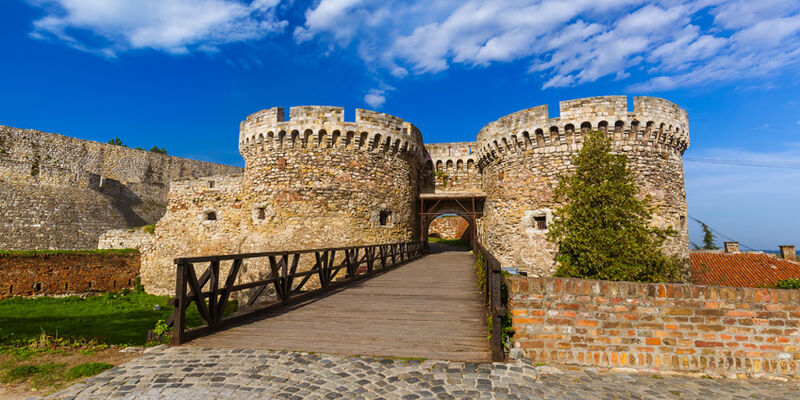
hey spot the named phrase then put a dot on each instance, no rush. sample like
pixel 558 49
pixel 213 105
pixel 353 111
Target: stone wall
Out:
pixel 733 332
pixel 132 238
pixel 66 273
pixel 58 192
pixel 313 181
pixel 450 227
pixel 522 154
pixel 452 168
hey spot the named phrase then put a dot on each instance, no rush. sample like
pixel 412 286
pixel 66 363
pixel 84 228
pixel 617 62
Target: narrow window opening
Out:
pixel 262 213
pixel 385 217
pixel 540 222
pixel 10 289
pixel 114 284
pixel 211 216
pixel 37 287
pixel 90 284
pixel 210 184
pixel 66 286
pixel 129 282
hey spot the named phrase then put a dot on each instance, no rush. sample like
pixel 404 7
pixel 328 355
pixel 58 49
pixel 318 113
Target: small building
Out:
pixel 731 267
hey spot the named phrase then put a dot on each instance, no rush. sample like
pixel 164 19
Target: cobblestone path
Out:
pixel 197 373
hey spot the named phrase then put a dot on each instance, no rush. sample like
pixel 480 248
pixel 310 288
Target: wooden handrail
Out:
pixel 211 296
pixel 495 309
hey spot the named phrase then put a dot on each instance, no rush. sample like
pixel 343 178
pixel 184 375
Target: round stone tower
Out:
pixel 522 154
pixel 317 181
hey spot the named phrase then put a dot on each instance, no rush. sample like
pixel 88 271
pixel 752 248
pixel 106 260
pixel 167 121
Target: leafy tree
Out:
pixel 603 228
pixel 162 150
pixel 708 238
pixel 116 142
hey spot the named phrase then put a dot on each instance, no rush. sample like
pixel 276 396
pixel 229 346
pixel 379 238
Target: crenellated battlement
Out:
pixel 325 127
pixel 654 122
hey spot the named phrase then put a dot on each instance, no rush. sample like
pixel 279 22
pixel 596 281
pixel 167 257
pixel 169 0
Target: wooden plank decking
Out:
pixel 429 308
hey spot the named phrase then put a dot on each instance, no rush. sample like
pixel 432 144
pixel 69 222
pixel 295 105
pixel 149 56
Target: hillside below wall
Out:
pixel 58 192
pixel 734 332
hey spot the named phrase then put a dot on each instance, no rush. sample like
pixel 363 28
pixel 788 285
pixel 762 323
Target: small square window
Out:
pixel 385 218
pixel 210 184
pixel 211 216
pixel 261 213
pixel 540 222
pixel 37 287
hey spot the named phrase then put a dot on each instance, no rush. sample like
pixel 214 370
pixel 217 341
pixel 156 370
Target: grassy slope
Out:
pixel 111 318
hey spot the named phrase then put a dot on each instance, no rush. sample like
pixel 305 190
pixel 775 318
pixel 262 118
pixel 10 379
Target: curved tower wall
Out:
pixel 311 181
pixel 522 154
pixel 324 182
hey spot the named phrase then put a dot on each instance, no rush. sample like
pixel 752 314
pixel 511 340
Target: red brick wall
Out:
pixel 662 327
pixel 66 273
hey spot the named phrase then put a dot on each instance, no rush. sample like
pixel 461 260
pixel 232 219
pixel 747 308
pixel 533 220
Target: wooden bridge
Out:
pixel 389 300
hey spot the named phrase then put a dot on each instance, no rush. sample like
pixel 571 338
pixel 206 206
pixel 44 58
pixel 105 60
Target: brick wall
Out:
pixel 56 274
pixel 661 327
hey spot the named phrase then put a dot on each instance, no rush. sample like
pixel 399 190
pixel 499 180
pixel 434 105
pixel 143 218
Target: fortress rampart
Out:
pixel 315 180
pixel 310 182
pixel 522 154
pixel 452 167
pixel 58 192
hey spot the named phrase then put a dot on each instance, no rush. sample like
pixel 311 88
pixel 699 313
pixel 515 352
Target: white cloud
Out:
pixel 375 98
pixel 176 26
pixel 569 42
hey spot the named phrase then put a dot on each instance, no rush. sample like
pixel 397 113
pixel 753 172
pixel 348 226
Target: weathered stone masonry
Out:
pixel 734 332
pixel 315 180
pixel 522 154
pixel 58 192
pixel 312 181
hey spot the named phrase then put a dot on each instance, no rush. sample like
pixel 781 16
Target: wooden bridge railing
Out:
pixel 211 295
pixel 492 291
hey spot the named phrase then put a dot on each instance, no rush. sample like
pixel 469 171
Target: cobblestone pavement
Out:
pixel 196 374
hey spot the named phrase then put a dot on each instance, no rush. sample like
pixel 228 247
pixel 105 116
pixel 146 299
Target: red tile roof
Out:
pixel 740 269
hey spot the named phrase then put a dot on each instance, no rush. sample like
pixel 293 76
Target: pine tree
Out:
pixel 708 238
pixel 603 228
pixel 116 142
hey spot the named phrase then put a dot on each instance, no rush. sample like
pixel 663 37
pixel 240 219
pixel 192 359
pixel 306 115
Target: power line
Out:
pixel 724 236
pixel 763 164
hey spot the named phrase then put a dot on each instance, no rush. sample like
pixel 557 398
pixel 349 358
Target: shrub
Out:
pixel 788 284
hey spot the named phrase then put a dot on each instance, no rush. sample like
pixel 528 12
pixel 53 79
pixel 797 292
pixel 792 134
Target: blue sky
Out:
pixel 181 74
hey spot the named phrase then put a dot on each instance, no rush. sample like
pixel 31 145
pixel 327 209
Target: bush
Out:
pixel 788 284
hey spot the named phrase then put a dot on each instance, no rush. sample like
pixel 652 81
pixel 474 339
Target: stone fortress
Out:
pixel 314 180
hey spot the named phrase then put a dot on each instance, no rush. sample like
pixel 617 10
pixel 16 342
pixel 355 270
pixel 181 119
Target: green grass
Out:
pixel 87 369
pixel 452 242
pixel 35 253
pixel 112 318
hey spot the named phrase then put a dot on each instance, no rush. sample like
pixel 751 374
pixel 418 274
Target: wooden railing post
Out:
pixel 214 316
pixel 179 320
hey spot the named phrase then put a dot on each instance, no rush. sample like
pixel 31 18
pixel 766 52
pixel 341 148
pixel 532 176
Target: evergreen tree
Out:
pixel 603 228
pixel 708 238
pixel 162 150
pixel 116 142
